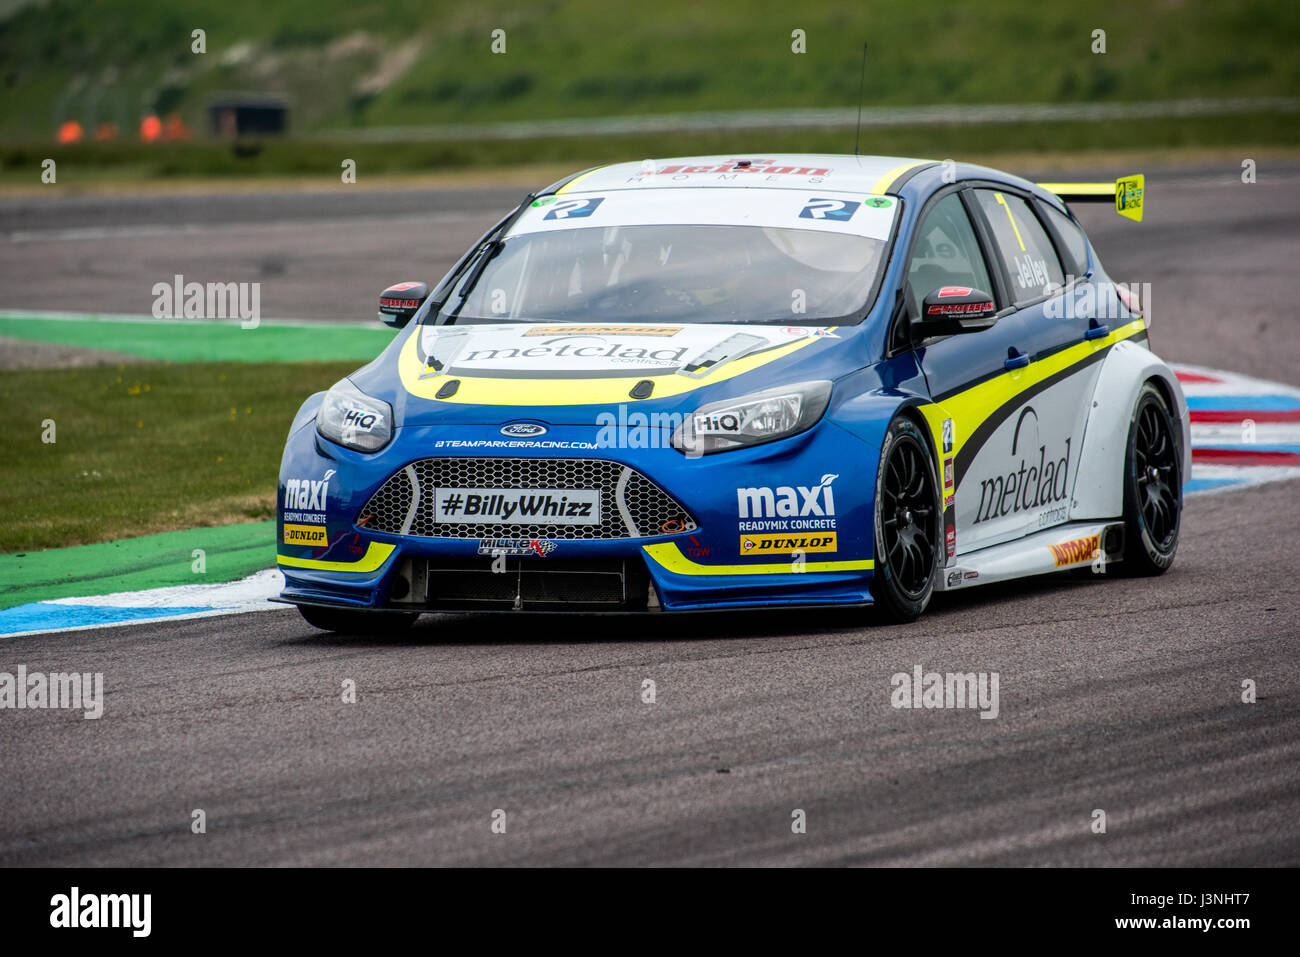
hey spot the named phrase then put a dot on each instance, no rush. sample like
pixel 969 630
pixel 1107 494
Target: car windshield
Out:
pixel 694 273
pixel 681 255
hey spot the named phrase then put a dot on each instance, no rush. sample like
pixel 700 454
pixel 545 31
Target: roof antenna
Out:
pixel 861 85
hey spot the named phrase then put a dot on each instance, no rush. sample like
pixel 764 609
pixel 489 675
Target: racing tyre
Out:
pixel 1153 487
pixel 350 622
pixel 909 519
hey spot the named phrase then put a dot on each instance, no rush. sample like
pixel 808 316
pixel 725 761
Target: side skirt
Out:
pixel 1073 545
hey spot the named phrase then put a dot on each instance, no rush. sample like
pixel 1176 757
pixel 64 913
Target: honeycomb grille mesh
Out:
pixel 626 496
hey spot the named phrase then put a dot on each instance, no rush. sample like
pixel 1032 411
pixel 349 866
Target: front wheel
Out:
pixel 350 622
pixel 1153 487
pixel 908 518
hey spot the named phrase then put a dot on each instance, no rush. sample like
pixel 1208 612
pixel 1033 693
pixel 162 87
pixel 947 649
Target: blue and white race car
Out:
pixel 720 382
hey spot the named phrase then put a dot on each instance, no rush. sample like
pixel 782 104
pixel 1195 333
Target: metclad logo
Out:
pixel 1029 487
pixel 581 347
pixel 787 501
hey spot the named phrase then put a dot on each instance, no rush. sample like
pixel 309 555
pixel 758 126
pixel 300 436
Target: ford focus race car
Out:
pixel 719 383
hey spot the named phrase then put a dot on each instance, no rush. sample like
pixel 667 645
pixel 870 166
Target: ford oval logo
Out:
pixel 523 430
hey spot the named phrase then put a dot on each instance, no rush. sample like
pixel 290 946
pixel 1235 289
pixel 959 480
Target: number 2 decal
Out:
pixel 839 210
pixel 573 208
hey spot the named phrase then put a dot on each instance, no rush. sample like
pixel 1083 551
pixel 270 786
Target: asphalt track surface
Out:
pixel 1116 694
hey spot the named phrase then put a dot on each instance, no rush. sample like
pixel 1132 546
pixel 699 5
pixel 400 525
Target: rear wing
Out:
pixel 1125 193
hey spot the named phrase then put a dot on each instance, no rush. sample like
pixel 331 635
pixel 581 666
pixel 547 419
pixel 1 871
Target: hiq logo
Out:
pixel 573 208
pixel 840 210
pixel 359 419
pixel 725 423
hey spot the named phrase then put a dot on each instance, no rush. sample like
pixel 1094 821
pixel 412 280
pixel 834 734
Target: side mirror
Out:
pixel 955 309
pixel 397 304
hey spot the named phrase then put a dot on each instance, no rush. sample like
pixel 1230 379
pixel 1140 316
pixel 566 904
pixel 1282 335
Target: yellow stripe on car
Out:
pixel 969 409
pixel 1003 203
pixel 376 554
pixel 1080 189
pixel 576 180
pixel 489 390
pixel 669 557
pixel 886 181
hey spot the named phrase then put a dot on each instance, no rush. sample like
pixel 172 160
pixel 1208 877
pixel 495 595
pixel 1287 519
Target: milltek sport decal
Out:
pixel 528 506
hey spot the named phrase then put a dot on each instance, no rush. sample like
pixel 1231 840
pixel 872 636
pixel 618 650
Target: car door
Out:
pixel 1026 464
pixel 962 371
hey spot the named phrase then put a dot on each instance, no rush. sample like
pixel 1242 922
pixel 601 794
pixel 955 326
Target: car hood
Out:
pixel 571 372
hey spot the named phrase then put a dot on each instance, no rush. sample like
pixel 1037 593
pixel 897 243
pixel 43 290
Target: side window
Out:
pixel 1023 244
pixel 946 252
pixel 1072 238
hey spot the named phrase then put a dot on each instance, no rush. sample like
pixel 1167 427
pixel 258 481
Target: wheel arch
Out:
pixel 1098 487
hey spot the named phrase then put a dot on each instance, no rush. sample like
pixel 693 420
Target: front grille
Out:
pixel 631 506
pixel 523 585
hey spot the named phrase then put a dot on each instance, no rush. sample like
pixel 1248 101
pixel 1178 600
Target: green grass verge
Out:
pixel 146 448
pixel 125 162
pixel 205 341
pixel 230 552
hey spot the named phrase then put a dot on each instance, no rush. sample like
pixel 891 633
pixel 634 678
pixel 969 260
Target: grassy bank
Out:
pixel 146 448
pixel 365 63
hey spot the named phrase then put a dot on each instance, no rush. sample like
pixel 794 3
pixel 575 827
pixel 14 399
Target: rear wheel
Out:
pixel 350 622
pixel 1153 487
pixel 908 521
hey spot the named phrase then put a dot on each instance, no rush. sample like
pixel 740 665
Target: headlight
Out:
pixel 350 417
pixel 753 419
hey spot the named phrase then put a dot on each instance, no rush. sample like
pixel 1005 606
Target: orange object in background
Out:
pixel 174 128
pixel 105 132
pixel 150 129
pixel 70 132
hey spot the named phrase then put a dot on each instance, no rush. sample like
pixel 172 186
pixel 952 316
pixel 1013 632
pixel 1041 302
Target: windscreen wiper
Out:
pixel 494 246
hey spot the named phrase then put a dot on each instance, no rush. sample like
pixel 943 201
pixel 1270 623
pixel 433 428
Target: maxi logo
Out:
pixel 1029 487
pixel 787 501
pixel 306 495
pixel 303 516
